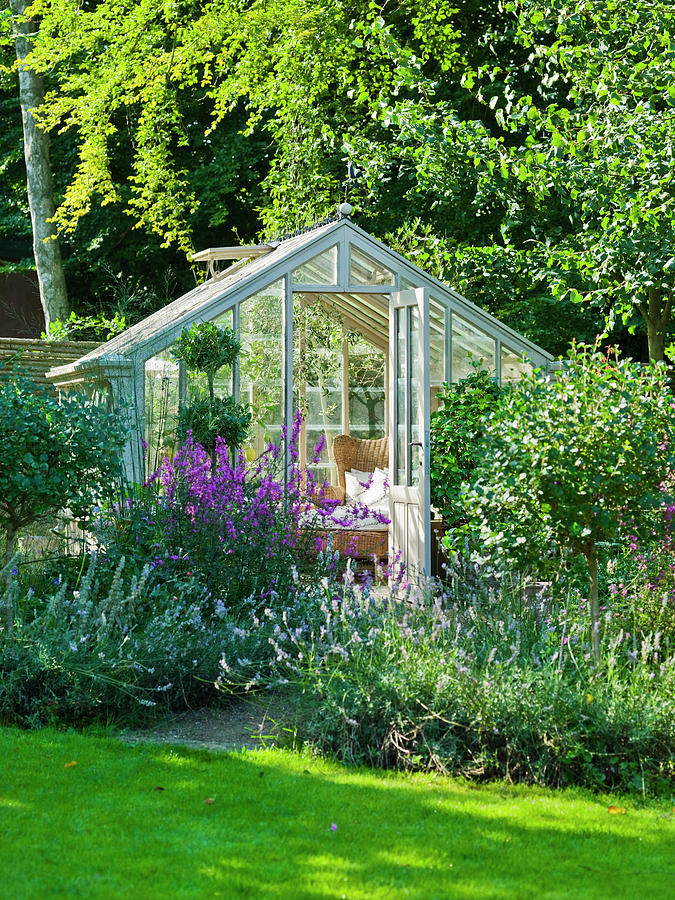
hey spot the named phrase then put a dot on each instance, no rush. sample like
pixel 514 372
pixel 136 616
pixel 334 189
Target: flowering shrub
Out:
pixel 494 687
pixel 572 461
pixel 237 529
pixel 113 643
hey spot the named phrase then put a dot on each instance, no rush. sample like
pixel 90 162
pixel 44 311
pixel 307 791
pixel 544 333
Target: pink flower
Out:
pixel 333 826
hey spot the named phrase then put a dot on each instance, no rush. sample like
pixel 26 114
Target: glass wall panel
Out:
pixel 436 350
pixel 364 270
pixel 514 365
pixel 317 384
pixel 196 383
pixel 470 345
pixel 366 391
pixel 261 365
pixel 321 269
pixel 161 408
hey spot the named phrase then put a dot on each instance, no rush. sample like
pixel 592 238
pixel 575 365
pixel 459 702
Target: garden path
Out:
pixel 244 724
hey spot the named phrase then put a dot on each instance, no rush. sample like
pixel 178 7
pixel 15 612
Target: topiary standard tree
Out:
pixel 574 460
pixel 54 454
pixel 205 348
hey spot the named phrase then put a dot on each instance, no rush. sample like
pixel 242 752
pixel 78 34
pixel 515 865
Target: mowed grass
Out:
pixel 102 828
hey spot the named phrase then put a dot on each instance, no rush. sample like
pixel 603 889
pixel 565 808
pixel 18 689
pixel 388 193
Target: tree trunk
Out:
pixel 46 248
pixel 656 342
pixel 656 313
pixel 10 542
pixel 592 563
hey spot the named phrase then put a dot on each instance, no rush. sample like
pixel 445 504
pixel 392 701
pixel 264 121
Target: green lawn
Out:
pixel 101 828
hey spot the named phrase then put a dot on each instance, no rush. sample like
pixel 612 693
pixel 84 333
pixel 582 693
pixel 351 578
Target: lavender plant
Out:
pixel 115 644
pixel 487 686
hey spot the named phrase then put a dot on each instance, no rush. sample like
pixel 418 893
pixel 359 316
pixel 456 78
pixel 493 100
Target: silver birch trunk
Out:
pixel 46 247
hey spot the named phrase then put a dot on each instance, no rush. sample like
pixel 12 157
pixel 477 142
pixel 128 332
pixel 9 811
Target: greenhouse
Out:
pixel 331 322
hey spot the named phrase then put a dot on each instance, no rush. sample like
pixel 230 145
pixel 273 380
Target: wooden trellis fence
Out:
pixel 36 357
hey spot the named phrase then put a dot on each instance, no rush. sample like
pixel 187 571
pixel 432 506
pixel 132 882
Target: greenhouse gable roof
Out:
pixel 223 290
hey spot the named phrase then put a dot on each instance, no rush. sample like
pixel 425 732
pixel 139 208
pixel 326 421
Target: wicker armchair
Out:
pixel 365 456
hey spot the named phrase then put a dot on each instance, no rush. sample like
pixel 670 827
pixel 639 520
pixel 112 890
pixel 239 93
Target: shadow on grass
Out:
pixel 103 828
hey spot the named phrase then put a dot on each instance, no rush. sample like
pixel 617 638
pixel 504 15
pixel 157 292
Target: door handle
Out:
pixel 416 444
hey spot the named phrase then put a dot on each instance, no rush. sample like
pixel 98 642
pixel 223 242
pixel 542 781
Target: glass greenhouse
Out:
pixel 333 322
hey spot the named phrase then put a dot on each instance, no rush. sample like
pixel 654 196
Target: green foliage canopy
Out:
pixel 204 347
pixel 374 76
pixel 208 419
pixel 601 152
pixel 532 139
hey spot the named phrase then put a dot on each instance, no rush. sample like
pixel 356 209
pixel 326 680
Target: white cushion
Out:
pixel 354 519
pixel 376 496
pixel 356 483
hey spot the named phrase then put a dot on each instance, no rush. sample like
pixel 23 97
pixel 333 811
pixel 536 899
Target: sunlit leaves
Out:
pixel 603 151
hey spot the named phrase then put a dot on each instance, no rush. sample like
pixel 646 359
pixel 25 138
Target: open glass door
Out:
pixel 409 507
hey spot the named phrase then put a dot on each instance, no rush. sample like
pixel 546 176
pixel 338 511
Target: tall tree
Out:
pixel 46 249
pixel 316 80
pixel 602 152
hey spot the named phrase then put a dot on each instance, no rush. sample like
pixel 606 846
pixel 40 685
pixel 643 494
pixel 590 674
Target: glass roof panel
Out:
pixel 367 314
pixel 364 270
pixel 320 269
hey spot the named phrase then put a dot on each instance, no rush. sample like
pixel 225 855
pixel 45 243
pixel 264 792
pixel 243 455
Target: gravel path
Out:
pixel 258 722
